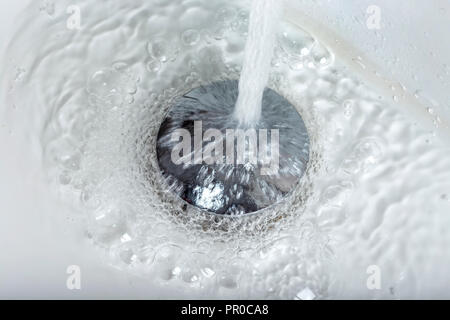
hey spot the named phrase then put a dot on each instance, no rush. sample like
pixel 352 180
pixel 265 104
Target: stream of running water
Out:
pixel 264 20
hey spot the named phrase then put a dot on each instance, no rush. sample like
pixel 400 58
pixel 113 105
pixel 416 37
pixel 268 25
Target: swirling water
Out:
pixel 375 193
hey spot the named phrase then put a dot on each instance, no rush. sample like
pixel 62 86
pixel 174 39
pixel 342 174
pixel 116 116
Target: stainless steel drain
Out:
pixel 213 163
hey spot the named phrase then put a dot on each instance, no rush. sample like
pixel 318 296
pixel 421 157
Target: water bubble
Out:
pixel 72 162
pixel 294 42
pixel 190 37
pixel 225 15
pixel 120 66
pixel 176 271
pixel 103 83
pixel 365 155
pixel 321 57
pixel 154 66
pixel 189 276
pixel 296 63
pixel 163 50
pixel 106 223
pixel 109 88
pixel 337 194
pixel 223 22
pixel 240 25
pixel 227 280
pixel 305 51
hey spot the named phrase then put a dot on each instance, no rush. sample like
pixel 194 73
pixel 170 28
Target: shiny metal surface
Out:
pixel 212 181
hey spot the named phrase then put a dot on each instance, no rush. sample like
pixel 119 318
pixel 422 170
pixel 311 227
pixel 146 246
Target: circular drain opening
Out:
pixel 210 161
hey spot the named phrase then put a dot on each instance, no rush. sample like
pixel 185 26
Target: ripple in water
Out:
pixel 95 97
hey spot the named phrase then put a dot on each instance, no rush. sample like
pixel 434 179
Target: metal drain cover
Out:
pixel 213 163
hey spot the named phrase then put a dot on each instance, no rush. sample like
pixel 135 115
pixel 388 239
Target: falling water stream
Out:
pixel 264 20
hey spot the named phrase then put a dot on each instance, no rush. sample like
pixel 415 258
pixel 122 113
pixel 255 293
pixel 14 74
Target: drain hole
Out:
pixel 214 164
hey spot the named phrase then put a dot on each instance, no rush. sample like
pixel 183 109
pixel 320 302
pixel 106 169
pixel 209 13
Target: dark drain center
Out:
pixel 216 165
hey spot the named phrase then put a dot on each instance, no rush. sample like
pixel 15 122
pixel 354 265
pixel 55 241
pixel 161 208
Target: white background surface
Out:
pixel 411 46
